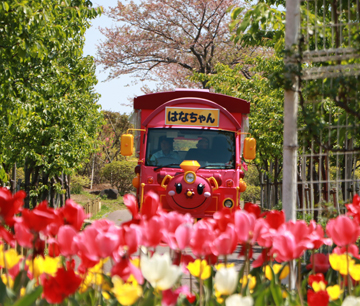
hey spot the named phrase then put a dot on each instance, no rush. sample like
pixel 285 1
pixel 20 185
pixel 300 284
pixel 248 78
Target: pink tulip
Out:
pixel 291 241
pixel 183 235
pixel 275 218
pixel 129 239
pixel 317 235
pixel 351 249
pixel 343 230
pixel 244 225
pixel 131 204
pixel 223 218
pixel 65 238
pixel 202 238
pixel 23 235
pixel 151 231
pixel 225 243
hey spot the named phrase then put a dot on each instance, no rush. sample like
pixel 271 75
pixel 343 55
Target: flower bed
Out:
pixel 140 276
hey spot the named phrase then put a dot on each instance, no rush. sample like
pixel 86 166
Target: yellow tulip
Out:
pixel 318 286
pixel 251 279
pixel 135 262
pixel 334 292
pixel 5 278
pixel 12 258
pixel 40 265
pixel 340 263
pixel 355 272
pixel 199 269
pixel 276 268
pixel 126 293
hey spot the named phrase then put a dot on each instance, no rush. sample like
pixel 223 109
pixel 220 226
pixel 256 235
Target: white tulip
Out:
pixel 351 301
pixel 238 300
pixel 159 271
pixel 226 280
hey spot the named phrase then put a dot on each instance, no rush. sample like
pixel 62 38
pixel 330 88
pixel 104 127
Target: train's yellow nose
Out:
pixel 189 193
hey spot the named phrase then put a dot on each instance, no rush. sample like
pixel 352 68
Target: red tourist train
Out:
pixel 190 145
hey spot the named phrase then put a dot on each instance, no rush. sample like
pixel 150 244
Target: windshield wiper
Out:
pixel 169 165
pixel 216 167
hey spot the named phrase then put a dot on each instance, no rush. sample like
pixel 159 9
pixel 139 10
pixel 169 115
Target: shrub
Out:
pixel 77 182
pixel 251 194
pixel 120 174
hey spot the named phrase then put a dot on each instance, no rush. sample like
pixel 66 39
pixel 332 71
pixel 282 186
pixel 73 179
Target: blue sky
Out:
pixel 116 92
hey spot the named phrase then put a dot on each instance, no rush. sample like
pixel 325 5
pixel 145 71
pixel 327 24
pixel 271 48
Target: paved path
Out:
pixel 119 216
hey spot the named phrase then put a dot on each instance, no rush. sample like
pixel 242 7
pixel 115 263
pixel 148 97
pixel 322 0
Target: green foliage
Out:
pixel 120 175
pixel 77 183
pixel 49 112
pixel 251 194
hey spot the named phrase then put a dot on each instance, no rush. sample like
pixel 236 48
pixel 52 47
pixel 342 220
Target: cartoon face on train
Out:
pixel 189 192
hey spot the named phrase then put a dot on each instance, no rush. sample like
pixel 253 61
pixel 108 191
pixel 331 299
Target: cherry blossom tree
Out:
pixel 166 40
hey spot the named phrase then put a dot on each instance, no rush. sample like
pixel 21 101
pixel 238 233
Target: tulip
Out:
pixel 225 243
pixel 150 206
pixel 73 214
pixel 275 218
pixel 244 225
pixel 355 272
pixel 320 298
pixel 320 262
pixel 223 218
pixel 226 280
pixel 354 208
pixel 66 234
pixel 199 268
pixel 169 297
pixel 42 265
pixel 238 300
pixel 151 231
pixel 276 269
pixel 10 205
pixel 343 230
pixel 351 301
pixel 334 292
pixel 126 293
pixel 342 263
pixel 159 271
pixel 202 238
pixel 253 208
pixel 319 277
pixel 291 241
pixel 248 279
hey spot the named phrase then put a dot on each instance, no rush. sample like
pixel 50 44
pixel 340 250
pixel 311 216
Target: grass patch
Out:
pixel 107 206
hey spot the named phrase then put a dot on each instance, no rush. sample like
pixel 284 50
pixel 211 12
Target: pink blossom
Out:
pixel 244 225
pixel 202 238
pixel 225 243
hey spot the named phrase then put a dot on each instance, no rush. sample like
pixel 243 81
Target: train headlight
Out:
pixel 190 177
pixel 228 203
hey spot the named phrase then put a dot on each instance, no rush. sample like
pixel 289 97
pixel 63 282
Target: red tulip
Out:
pixel 23 235
pixel 57 288
pixel 10 205
pixel 131 204
pixel 343 230
pixel 253 208
pixel 169 297
pixel 275 218
pixel 319 277
pixel 150 205
pixel 320 298
pixel 73 214
pixel 40 217
pixel 320 261
pixel 124 268
pixel 354 208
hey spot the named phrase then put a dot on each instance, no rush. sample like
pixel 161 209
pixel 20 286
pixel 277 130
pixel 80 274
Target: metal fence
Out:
pixel 327 54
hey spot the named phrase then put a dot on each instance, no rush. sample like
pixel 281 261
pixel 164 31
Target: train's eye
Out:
pixel 178 188
pixel 200 188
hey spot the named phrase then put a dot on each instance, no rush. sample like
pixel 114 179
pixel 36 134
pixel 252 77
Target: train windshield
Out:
pixel 212 149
